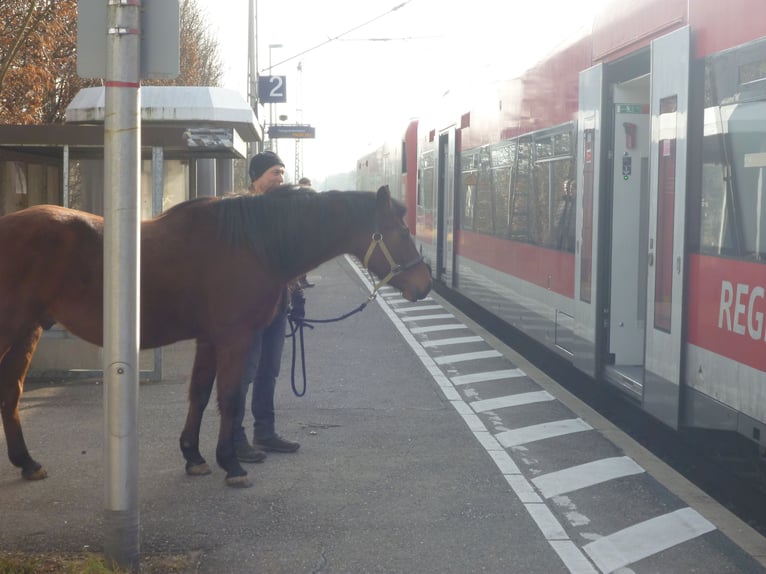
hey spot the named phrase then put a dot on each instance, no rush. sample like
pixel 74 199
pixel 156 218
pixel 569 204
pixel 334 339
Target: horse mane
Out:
pixel 282 225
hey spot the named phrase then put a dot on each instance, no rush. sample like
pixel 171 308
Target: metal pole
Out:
pixel 122 127
pixel 158 180
pixel 65 178
pixel 224 180
pixel 299 120
pixel 158 199
pixel 271 105
pixel 272 121
pixel 252 72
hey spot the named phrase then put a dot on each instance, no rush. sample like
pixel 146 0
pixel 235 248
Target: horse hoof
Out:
pixel 238 481
pixel 38 473
pixel 198 469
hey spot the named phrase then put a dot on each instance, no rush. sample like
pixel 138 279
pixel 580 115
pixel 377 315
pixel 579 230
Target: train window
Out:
pixel 419 196
pixel 561 234
pixel 562 144
pixel 522 189
pixel 663 283
pixel 554 145
pixel 544 148
pixel 483 217
pixel 715 234
pixel 747 136
pixel 732 208
pixel 468 189
pixel 554 210
pixel 586 250
pixel 541 200
pixel 566 214
pixel 503 158
pixel 736 75
pixel 717 200
pixel 428 190
pixel 752 72
pixel 504 154
pixel 426 183
pixel 501 185
pixel 552 202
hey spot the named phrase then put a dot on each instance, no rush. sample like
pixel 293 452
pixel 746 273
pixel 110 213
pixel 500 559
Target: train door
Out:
pixel 586 262
pixel 629 220
pixel 671 56
pixel 445 190
pixel 643 326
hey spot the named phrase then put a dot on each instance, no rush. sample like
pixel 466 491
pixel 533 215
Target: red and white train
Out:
pixel 611 203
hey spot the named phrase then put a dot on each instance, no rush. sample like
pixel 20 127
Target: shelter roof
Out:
pixel 187 122
pixel 175 105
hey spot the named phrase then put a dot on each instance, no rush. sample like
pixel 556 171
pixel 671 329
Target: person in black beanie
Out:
pixel 267 172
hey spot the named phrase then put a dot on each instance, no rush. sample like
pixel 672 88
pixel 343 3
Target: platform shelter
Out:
pixel 194 142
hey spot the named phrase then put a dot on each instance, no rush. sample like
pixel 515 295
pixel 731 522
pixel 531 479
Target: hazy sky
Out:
pixel 359 87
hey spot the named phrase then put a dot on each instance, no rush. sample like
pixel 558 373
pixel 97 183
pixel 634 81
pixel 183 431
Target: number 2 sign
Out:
pixel 272 89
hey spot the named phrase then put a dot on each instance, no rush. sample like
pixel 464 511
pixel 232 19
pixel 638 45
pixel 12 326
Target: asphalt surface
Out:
pixel 389 477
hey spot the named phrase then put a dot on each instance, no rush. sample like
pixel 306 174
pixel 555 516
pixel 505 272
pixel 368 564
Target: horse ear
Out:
pixel 384 197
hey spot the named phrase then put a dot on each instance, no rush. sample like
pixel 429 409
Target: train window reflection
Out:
pixel 426 186
pixel 484 200
pixel 666 199
pixel 733 210
pixel 747 134
pixel 469 188
pixel 752 72
pixel 522 189
pixel 503 159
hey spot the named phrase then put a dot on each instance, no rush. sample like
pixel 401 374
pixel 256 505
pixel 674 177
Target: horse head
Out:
pixel 392 254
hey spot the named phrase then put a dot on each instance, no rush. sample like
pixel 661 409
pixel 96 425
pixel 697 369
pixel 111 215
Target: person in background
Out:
pixel 303 280
pixel 267 172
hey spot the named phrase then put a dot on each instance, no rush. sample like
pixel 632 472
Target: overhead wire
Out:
pixel 339 36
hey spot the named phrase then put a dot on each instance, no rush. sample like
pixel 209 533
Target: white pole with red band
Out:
pixel 122 219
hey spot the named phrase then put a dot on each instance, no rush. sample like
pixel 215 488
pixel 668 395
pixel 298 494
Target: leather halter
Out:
pixel 297 325
pixel 394 267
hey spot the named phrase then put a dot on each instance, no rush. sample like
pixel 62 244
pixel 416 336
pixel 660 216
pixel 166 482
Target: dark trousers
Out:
pixel 262 370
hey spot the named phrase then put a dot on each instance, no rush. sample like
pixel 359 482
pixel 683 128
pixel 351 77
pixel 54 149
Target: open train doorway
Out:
pixel 629 181
pixel 644 338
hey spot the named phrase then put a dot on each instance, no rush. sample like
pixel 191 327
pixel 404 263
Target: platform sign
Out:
pixel 160 44
pixel 293 131
pixel 272 89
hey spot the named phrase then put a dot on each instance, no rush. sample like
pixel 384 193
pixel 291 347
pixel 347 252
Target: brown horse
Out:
pixel 212 269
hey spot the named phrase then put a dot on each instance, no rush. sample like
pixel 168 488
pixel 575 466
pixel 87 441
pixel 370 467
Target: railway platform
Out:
pixel 427 446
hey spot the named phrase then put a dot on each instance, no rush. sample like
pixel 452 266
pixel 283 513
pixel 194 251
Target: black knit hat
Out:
pixel 262 162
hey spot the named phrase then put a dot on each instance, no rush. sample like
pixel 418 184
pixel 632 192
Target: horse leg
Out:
pixel 200 387
pixel 13 371
pixel 231 367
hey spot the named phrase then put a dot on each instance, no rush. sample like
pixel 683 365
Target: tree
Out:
pixel 38 58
